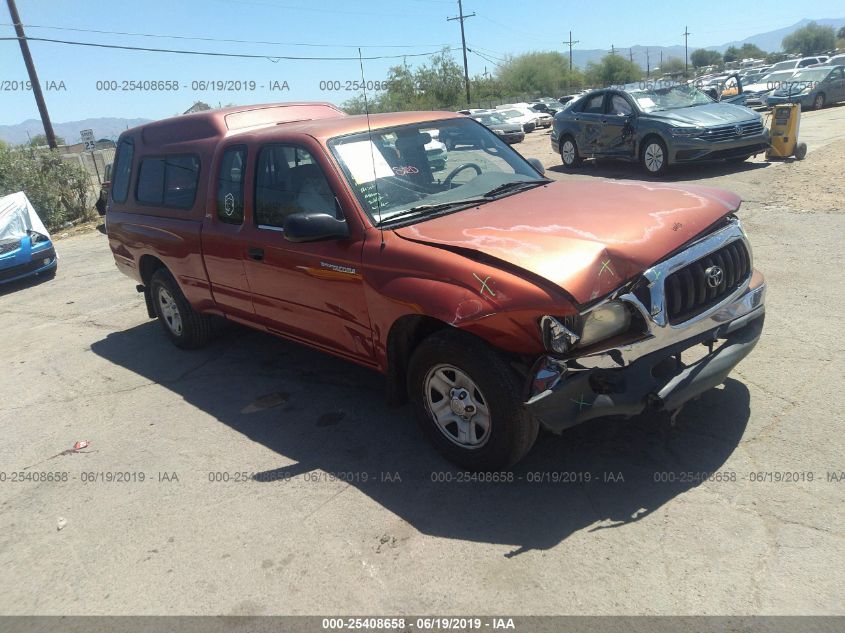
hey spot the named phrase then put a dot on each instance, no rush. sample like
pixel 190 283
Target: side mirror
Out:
pixel 536 164
pixel 314 227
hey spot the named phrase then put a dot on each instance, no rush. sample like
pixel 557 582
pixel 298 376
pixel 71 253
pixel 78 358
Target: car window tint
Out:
pixel 288 180
pixel 230 186
pixel 169 181
pixel 123 162
pixel 619 105
pixel 595 104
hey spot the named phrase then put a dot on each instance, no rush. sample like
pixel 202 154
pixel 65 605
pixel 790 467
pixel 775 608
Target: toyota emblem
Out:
pixel 714 276
pixel 738 130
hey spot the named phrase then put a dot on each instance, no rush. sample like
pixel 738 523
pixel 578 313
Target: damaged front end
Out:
pixel 624 354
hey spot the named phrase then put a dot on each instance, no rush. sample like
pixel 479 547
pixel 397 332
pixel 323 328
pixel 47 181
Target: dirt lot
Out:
pixel 646 535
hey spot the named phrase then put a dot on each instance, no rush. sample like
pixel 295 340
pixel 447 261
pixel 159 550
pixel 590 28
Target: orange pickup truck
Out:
pixel 494 299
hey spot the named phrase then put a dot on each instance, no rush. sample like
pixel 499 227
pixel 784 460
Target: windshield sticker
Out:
pixel 645 102
pixel 404 171
pixel 364 160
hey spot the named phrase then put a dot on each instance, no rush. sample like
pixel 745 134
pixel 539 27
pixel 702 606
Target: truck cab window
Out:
pixel 288 180
pixel 230 186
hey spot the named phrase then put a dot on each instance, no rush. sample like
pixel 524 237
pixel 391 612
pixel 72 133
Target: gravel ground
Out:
pixel 82 362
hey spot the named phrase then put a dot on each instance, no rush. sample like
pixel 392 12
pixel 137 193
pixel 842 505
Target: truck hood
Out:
pixel 706 115
pixel 585 237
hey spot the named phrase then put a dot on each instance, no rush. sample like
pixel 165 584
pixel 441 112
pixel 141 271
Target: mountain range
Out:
pixel 104 127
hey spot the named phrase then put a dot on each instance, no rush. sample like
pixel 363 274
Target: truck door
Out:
pixel 311 291
pixel 223 235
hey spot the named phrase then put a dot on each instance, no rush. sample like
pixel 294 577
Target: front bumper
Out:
pixel 649 373
pixel 27 261
pixel 511 138
pixel 692 150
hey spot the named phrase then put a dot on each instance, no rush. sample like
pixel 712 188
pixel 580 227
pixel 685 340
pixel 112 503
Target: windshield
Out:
pixel 392 175
pixel 490 119
pixel 778 76
pixel 814 74
pixel 670 98
pixel 510 114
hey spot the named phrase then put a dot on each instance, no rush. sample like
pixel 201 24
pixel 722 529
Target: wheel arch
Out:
pixel 147 266
pixel 406 333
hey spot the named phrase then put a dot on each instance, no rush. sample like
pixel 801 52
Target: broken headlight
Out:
pixel 37 238
pixel 604 321
pixel 557 337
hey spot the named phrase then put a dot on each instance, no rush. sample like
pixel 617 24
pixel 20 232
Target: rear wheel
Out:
pixel 569 153
pixel 468 402
pixel 186 327
pixel 654 157
pixel 818 102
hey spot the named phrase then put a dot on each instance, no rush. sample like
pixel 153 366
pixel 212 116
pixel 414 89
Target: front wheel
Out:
pixel 186 327
pixel 818 102
pixel 468 402
pixel 654 157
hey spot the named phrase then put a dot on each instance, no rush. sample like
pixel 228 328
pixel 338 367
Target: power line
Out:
pixel 570 42
pixel 463 17
pixel 33 76
pixel 217 39
pixel 272 58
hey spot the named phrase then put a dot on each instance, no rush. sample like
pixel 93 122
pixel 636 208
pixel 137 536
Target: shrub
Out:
pixel 57 189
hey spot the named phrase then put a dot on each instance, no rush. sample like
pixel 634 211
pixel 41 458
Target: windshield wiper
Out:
pixel 433 208
pixel 517 184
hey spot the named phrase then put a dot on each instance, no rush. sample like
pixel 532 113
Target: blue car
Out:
pixel 25 245
pixel 813 88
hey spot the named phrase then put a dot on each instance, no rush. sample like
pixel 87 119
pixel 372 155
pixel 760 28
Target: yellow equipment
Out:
pixel 786 119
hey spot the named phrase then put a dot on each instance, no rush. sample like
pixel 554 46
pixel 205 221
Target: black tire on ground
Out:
pixel 569 155
pixel 818 102
pixel 800 151
pixel 512 429
pixel 653 156
pixel 195 328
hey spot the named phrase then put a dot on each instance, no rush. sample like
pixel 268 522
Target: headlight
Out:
pixel 556 336
pixel 606 320
pixel 686 131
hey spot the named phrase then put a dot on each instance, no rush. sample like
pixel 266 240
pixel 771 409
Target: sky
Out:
pixel 322 28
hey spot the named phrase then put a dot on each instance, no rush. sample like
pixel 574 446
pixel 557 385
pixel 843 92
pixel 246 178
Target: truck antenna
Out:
pixel 372 150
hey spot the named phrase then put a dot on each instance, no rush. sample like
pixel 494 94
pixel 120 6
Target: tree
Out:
pixel 538 73
pixel 56 188
pixel 841 33
pixel 732 54
pixel 39 140
pixel 613 69
pixel 672 66
pixel 751 51
pixel 810 40
pixel 774 58
pixel 702 57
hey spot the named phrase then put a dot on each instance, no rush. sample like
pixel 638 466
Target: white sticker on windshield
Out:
pixel 364 160
pixel 645 102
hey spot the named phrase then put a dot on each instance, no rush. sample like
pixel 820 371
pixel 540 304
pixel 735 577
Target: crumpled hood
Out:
pixel 586 237
pixel 707 115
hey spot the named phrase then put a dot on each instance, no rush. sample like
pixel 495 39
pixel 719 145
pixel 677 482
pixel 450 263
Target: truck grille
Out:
pixel 732 132
pixel 690 291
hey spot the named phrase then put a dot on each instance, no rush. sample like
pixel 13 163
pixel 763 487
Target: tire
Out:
pixel 800 151
pixel 185 327
pixel 476 377
pixel 653 156
pixel 818 102
pixel 569 155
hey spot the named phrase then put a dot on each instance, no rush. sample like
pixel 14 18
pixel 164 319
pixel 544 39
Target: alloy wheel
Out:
pixel 169 311
pixel 654 158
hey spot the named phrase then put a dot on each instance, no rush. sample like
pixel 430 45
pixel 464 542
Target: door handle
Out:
pixel 256 253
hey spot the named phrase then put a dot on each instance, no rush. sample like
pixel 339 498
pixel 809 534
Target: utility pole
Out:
pixel 33 76
pixel 647 64
pixel 612 49
pixel 463 17
pixel 686 51
pixel 570 42
pixel 631 54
